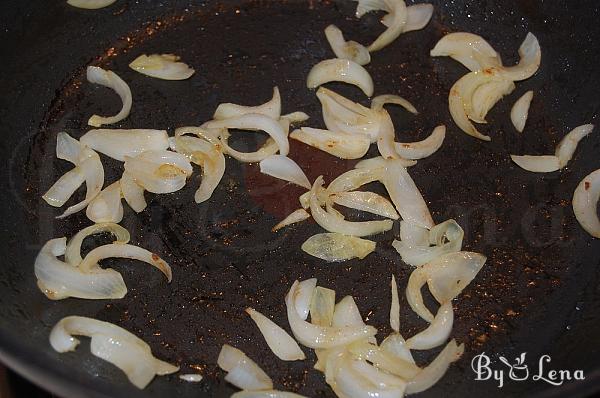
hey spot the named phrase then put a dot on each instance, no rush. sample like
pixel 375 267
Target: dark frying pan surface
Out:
pixel 537 293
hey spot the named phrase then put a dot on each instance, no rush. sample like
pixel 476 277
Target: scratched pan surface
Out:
pixel 537 294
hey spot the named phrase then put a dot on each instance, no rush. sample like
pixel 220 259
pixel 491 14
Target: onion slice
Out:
pixel 395 21
pixel 73 249
pixel 366 201
pixel 395 345
pixel 243 372
pixel 191 377
pixel 110 79
pixel 537 164
pixel 531 57
pixel 449 274
pixel 438 331
pixel 335 247
pixel 284 168
pixel 272 108
pixel 90 4
pixel 346 49
pixel 266 394
pixel 340 70
pixel 281 343
pixel 354 179
pixel 520 111
pixel 378 103
pixel 159 171
pixel 294 217
pixel 431 374
pixel 303 297
pixel 113 344
pixel 120 143
pixel 162 66
pixel 322 306
pixel 585 203
pixel 469 49
pixel 339 144
pixel 314 336
pixel 424 148
pixel 417 16
pixel 383 360
pixel 395 307
pixel 133 193
pixel 486 96
pixel 106 206
pixel 346 313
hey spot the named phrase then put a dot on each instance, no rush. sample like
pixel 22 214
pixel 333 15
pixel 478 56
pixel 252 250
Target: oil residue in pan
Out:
pixel 223 253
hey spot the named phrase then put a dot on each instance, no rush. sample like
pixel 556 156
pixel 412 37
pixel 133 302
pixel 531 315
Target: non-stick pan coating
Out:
pixel 537 293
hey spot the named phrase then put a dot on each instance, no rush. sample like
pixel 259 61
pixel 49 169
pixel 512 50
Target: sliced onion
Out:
pixel 322 306
pixel 431 374
pixel 303 297
pixel 436 333
pixel 346 49
pixel 346 313
pixel 386 136
pixel 159 171
pixel 266 394
pixel 62 190
pixel 211 136
pixel 253 121
pixel 113 344
pixel 469 49
pixel 417 16
pixel 395 345
pixel 354 179
pixel 281 343
pixel 531 57
pixel 73 249
pixel 383 359
pixel 107 206
pixel 191 377
pixel 395 307
pixel 413 235
pixel 267 149
pixel 68 148
pixel 243 372
pixel 357 379
pixel 58 280
pixel 381 380
pixel 405 195
pixel 314 336
pixel 395 21
pixel 366 201
pixel 294 217
pixel 418 279
pixel 520 111
pixel 90 4
pixel 120 143
pixel 486 96
pixel 110 79
pixel 567 146
pixel 284 168
pixel 272 108
pixel 537 164
pixel 121 250
pixel 295 117
pixel 334 223
pixel 422 149
pixel 585 203
pixel 378 103
pixel 162 66
pixel 342 145
pixel 133 193
pixel 340 70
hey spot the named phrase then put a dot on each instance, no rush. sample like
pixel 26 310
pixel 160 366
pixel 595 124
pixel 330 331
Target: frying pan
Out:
pixel 538 292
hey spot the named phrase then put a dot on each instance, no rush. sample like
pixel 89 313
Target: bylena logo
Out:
pixel 519 370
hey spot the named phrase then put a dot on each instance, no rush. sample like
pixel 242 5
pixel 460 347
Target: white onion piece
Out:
pixel 322 306
pixel 537 164
pixel 339 144
pixel 395 21
pixel 413 235
pixel 486 96
pixel 366 201
pixel 378 103
pixel 272 108
pixel 418 279
pixel 211 136
pixel 585 203
pixel 243 372
pixel 431 374
pixel 375 376
pixel 266 394
pixel 424 148
pixel 314 336
pixel 68 148
pixel 365 381
pixel 346 313
pixel 133 193
pixel 520 111
pixel 436 333
pixel 58 280
pixel 343 115
pixel 383 359
pixel 294 217
pixel 386 136
pixel 303 297
pixel 93 171
pixel 90 4
pixel 122 250
pixel 469 49
pixel 295 117
pixel 106 206
pixel 191 377
pixel 354 179
pixel 254 121
pixel 417 17
pixel 281 343
pixel 120 143
pixel 268 148
pixel 110 79
pixel 449 274
pixel 284 168
pixel 567 146
pixel 405 195
pixel 395 345
pixel 62 190
pixel 73 250
pixel 531 57
pixel 340 70
pixel 395 307
pixel 159 171
pixel 346 49
pixel 113 344
pixel 162 66
pixel 334 223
